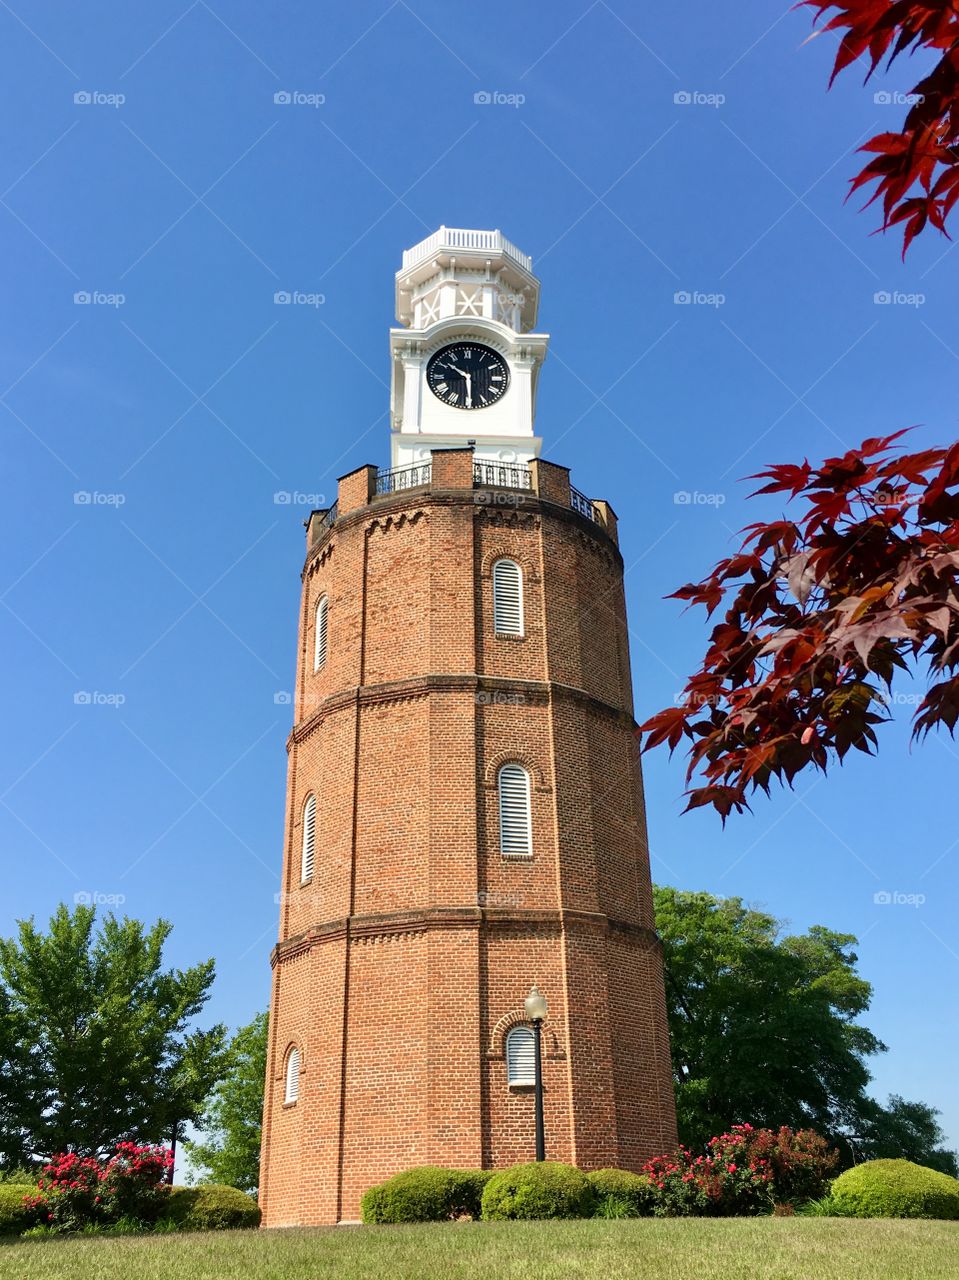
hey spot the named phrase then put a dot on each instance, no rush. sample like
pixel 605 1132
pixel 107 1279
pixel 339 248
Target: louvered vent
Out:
pixel 514 816
pixel 293 1076
pixel 507 598
pixel 520 1056
pixel 322 627
pixel 309 838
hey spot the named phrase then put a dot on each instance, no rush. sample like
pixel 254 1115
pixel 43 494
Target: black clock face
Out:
pixel 467 375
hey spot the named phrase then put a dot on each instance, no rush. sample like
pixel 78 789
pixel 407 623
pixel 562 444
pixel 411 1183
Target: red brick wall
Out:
pixel 403 964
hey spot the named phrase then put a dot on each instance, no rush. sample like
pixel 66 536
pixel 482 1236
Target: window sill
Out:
pixel 508 635
pixel 288 1106
pixel 304 883
pixel 516 857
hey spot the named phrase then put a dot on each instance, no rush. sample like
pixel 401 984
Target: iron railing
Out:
pixel 391 480
pixel 502 475
pixel 321 526
pixel 579 502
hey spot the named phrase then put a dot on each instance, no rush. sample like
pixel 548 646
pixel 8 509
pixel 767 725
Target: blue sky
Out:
pixel 187 405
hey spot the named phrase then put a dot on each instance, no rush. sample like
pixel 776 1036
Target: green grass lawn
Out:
pixel 650 1249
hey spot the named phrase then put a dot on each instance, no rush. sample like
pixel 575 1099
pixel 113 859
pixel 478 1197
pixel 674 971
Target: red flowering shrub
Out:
pixel 708 1186
pixel 800 1162
pixel 68 1192
pixel 74 1191
pixel 133 1183
pixel 745 1171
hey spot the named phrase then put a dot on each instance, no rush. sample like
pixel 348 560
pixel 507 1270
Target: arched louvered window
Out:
pixel 515 835
pixel 507 598
pixel 309 838
pixel 321 632
pixel 292 1076
pixel 520 1056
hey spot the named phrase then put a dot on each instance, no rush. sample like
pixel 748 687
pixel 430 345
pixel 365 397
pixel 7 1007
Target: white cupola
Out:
pixel 466 360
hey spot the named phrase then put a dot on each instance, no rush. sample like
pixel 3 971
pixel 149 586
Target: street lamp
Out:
pixel 536 1011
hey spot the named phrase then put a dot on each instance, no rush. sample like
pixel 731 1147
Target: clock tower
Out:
pixel 466 360
pixel 465 814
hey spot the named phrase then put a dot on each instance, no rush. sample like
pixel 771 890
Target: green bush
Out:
pixel 427 1194
pixel 210 1207
pixel 15 1216
pixel 617 1187
pixel 546 1190
pixel 896 1189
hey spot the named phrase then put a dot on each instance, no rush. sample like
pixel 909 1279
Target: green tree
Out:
pixel 764 1030
pixel 904 1130
pixel 231 1121
pixel 102 1034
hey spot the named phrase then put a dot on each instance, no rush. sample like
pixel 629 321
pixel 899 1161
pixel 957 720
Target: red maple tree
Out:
pixel 924 154
pixel 818 614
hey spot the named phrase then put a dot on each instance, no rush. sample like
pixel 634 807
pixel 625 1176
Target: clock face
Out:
pixel 467 375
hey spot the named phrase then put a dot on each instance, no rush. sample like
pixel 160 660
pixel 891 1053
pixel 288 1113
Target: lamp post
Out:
pixel 536 1011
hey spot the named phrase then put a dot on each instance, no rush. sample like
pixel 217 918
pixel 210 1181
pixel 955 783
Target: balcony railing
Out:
pixel 462 238
pixel 326 521
pixel 579 502
pixel 392 480
pixel 502 475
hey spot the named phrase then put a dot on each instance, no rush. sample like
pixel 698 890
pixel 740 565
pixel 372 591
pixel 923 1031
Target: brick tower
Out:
pixel 465 807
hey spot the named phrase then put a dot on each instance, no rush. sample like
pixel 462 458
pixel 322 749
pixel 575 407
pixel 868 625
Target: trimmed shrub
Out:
pixel 621 1194
pixel 896 1189
pixel 210 1207
pixel 427 1194
pixel 15 1215
pixel 539 1190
